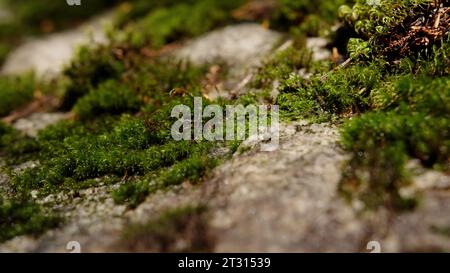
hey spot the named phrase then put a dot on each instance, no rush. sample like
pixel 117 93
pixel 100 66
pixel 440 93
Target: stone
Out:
pixel 48 55
pixel 32 124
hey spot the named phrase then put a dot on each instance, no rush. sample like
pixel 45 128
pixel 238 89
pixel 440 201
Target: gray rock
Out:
pixel 48 55
pixel 242 45
pixel 286 200
pixel 317 45
pixel 32 124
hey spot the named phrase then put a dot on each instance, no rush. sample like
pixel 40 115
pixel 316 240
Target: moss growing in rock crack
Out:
pixel 188 225
pixel 23 217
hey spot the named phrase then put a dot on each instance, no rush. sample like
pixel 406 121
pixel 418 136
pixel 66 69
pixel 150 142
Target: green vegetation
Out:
pixel 411 117
pixel 343 92
pixel 281 66
pixel 159 26
pixel 395 28
pixel 40 17
pixel 15 92
pixel 109 98
pixel 188 224
pixel 414 124
pixel 302 17
pixel 122 130
pixel 392 99
pixel 401 103
pixel 190 169
pixel 23 217
pixel 48 15
pixel 122 101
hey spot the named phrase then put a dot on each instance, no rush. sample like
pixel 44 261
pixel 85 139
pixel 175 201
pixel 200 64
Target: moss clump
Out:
pixel 173 20
pixel 414 124
pixel 23 217
pixel 401 107
pixel 190 169
pixel 302 17
pixel 15 92
pixel 281 66
pixel 109 98
pixel 186 224
pixel 48 15
pixel 149 79
pixel 14 146
pixel 41 17
pixel 90 68
pixel 5 132
pixel 396 28
pixel 411 103
pixel 342 92
pixel 125 150
pixel 132 193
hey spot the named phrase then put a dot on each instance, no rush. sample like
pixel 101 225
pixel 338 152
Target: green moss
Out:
pixel 5 131
pixel 393 29
pixel 15 92
pixel 14 146
pixel 444 231
pixel 186 224
pixel 110 97
pixel 379 18
pixel 341 92
pixel 281 66
pixel 59 14
pixel 302 17
pixel 151 80
pixel 190 169
pixel 132 193
pixel 22 217
pixel 414 124
pixel 90 68
pixel 174 21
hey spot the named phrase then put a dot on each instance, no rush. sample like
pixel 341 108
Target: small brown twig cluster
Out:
pixel 422 32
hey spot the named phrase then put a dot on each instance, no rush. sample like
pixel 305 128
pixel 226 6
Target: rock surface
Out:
pixel 239 46
pixel 32 124
pixel 285 200
pixel 46 56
